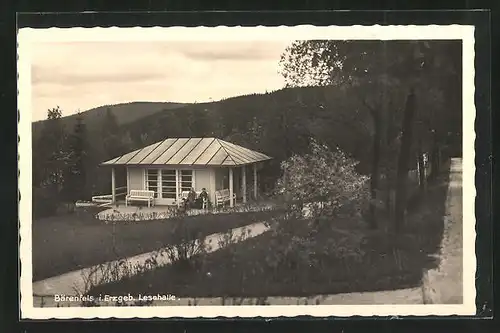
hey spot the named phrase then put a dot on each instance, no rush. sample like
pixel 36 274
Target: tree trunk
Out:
pixel 374 180
pixel 403 162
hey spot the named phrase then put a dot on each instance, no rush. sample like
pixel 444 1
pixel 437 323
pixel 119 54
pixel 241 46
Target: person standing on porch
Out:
pixel 202 201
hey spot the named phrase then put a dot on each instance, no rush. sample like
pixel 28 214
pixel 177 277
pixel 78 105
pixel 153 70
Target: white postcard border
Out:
pixel 27 36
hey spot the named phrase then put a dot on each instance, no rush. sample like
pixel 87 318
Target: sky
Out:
pixel 83 75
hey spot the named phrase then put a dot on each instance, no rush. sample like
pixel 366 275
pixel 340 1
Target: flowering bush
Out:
pixel 322 181
pixel 320 188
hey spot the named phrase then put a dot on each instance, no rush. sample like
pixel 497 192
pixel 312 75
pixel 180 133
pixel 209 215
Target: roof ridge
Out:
pixel 211 158
pixel 233 150
pixel 219 141
pixel 244 151
pixel 247 152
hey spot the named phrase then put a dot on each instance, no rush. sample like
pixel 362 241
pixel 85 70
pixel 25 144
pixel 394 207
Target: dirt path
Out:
pixel 444 284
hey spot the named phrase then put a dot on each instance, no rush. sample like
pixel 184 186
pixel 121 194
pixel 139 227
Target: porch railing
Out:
pixel 108 198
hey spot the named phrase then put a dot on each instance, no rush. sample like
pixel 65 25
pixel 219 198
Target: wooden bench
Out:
pixel 141 195
pixel 222 197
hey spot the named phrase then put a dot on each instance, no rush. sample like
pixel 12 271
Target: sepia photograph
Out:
pixel 241 172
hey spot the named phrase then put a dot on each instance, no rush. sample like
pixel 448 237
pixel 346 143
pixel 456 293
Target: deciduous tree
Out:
pixel 376 78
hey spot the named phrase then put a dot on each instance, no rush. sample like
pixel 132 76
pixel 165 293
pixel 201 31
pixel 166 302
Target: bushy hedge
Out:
pixel 46 203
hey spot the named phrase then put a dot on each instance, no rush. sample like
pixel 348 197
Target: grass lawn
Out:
pixel 65 243
pixel 245 270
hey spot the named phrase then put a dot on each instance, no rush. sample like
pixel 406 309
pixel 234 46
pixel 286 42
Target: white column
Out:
pixel 255 181
pixel 113 186
pixel 177 187
pixel 244 183
pixel 212 188
pixel 231 199
pixel 128 181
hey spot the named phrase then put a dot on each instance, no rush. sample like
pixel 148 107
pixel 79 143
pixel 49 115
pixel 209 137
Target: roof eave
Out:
pixel 106 164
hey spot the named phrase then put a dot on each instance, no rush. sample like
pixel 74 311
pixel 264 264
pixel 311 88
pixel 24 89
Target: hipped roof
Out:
pixel 190 152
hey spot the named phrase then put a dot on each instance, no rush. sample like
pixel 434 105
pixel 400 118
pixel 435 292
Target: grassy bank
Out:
pixel 65 243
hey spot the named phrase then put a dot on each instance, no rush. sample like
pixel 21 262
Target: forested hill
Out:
pixel 125 113
pixel 279 123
